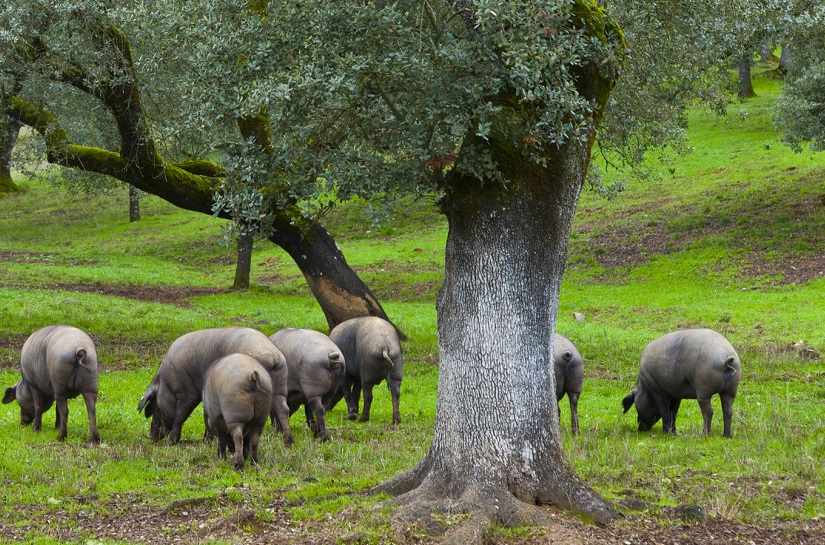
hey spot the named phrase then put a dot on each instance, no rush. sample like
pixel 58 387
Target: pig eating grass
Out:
pixel 569 370
pixel 57 363
pixel 237 396
pixel 316 372
pixel 177 387
pixel 372 353
pixel 686 364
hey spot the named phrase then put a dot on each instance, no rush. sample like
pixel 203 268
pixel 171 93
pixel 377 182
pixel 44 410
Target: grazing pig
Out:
pixel 177 387
pixel 686 364
pixel 372 353
pixel 569 370
pixel 58 362
pixel 237 397
pixel 316 372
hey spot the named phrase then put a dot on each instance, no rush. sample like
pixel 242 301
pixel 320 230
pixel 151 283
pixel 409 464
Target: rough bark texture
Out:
pixel 745 81
pixel 191 184
pixel 496 452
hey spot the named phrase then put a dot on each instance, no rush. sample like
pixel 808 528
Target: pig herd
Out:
pixel 243 378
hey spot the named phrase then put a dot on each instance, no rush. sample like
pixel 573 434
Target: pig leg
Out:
pixel 183 409
pixel 573 397
pixel 236 431
pixel 222 444
pixel 254 439
pixel 62 408
pixel 91 401
pixel 674 408
pixel 663 404
pixel 317 407
pixel 280 411
pixel 727 412
pixel 38 401
pixel 312 423
pixel 707 412
pixel 395 392
pixel 365 414
pixel 352 395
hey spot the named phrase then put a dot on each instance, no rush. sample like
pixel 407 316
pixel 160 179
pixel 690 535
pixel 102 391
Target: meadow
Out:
pixel 728 237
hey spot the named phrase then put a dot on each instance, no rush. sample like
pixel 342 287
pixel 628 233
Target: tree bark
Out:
pixel 134 203
pixel 9 130
pixel 745 81
pixel 242 269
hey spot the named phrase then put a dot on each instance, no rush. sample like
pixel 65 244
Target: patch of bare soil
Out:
pixel 129 520
pixel 170 295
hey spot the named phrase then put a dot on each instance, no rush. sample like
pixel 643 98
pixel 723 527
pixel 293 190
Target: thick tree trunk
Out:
pixel 8 138
pixel 497 444
pixel 134 203
pixel 242 269
pixel 745 81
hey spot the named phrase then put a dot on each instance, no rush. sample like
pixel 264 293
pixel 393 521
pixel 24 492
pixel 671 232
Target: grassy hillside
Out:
pixel 729 237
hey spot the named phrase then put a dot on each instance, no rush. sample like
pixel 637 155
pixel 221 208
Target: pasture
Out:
pixel 729 237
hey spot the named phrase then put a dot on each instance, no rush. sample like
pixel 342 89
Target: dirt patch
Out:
pixel 170 295
pixel 128 519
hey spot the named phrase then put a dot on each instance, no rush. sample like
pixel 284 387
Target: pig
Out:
pixel 316 372
pixel 686 364
pixel 177 387
pixel 372 353
pixel 569 370
pixel 237 398
pixel 57 363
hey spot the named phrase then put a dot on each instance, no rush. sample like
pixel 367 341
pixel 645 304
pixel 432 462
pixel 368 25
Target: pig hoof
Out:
pixel 352 416
pixel 289 440
pixel 364 418
pixel 96 439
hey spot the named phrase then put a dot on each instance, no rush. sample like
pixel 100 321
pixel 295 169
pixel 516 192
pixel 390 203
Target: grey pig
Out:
pixel 686 364
pixel 177 387
pixel 57 363
pixel 237 397
pixel 569 370
pixel 372 353
pixel 316 372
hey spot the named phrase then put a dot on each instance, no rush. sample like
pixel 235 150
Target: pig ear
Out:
pixel 10 395
pixel 627 402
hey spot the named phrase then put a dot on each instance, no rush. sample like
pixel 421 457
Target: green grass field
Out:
pixel 728 237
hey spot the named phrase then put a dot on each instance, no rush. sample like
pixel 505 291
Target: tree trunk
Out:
pixel 337 288
pixel 497 444
pixel 785 59
pixel 745 81
pixel 8 138
pixel 242 269
pixel 134 203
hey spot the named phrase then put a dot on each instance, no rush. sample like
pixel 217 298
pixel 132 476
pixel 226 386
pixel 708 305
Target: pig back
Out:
pixel 690 363
pixel 190 356
pixel 60 358
pixel 308 351
pixel 363 342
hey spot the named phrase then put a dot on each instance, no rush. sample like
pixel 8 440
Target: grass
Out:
pixel 728 237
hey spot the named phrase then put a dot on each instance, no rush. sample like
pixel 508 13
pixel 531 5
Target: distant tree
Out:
pixel 745 80
pixel 9 130
pixel 134 204
pixel 799 108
